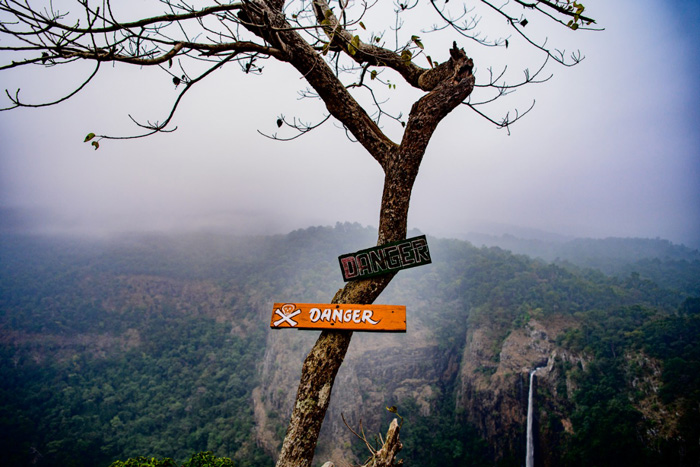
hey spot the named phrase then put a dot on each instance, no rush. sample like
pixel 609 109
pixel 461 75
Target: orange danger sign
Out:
pixel 386 318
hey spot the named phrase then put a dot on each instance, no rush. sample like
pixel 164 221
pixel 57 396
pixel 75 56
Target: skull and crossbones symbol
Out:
pixel 287 312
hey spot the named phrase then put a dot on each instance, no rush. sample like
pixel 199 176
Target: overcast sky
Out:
pixel 610 149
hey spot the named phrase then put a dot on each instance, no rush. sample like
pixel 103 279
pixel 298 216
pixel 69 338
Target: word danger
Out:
pixel 338 315
pixel 386 318
pixel 385 258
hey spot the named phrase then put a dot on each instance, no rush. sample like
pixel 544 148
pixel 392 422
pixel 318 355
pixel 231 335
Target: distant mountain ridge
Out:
pixel 577 249
pixel 668 264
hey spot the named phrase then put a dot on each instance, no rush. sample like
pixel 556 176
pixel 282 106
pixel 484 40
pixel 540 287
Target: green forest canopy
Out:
pixel 127 348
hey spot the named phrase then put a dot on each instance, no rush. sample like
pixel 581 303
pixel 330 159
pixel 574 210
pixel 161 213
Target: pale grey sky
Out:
pixel 610 149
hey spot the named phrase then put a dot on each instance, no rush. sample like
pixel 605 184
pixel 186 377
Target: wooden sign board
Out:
pixel 384 259
pixel 350 317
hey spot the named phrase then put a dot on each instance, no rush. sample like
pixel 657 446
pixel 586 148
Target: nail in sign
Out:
pixel 384 259
pixel 349 317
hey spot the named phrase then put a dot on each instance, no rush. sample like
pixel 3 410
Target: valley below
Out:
pixel 160 345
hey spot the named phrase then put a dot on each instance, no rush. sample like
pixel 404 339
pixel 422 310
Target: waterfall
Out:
pixel 530 451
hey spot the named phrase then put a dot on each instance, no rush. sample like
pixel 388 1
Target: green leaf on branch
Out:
pixel 354 45
pixel 89 137
pixel 362 25
pixel 96 145
pixel 406 55
pixel 373 74
pixel 416 40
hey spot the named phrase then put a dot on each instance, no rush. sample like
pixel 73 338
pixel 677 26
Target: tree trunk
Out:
pixel 386 456
pixel 317 377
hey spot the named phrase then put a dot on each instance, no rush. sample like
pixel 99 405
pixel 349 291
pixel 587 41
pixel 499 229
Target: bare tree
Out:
pixel 342 61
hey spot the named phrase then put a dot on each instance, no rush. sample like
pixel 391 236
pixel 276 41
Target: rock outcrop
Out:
pixel 493 382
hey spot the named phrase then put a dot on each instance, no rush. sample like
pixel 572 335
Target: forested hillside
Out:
pixel 159 345
pixel 668 264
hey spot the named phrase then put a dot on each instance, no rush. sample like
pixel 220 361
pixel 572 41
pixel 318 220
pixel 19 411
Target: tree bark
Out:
pixel 386 456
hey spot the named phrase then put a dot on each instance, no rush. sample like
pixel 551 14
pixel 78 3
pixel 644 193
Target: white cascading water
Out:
pixel 530 451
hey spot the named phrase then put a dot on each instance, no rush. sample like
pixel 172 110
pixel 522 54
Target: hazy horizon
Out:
pixel 15 222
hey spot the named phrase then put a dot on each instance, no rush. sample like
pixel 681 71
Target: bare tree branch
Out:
pixel 18 103
pixel 300 127
pixel 157 127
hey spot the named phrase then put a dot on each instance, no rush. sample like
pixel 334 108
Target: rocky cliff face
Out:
pixel 382 370
pixel 490 378
pixel 494 378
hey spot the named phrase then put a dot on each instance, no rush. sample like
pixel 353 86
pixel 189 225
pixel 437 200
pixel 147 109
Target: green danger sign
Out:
pixel 384 259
